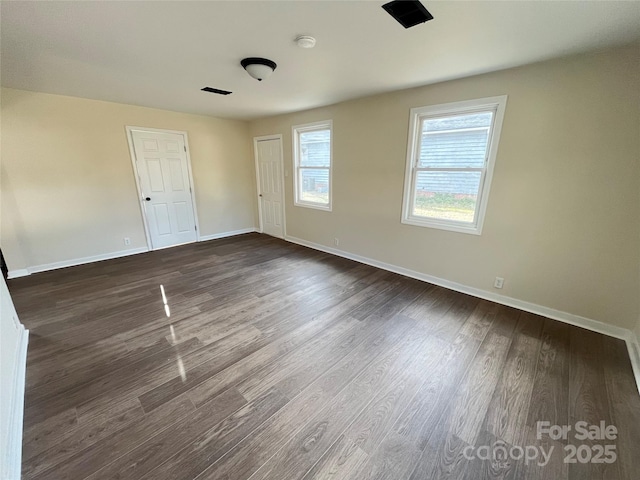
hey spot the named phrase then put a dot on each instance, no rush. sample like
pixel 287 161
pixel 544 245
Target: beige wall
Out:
pixel 68 189
pixel 563 218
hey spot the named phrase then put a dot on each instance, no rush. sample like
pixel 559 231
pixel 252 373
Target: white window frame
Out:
pixel 296 131
pixel 417 115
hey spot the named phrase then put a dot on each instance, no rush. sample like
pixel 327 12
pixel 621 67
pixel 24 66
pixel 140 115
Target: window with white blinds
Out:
pixel 312 164
pixel 450 158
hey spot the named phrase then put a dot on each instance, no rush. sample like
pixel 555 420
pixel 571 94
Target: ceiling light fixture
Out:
pixel 305 41
pixel 258 68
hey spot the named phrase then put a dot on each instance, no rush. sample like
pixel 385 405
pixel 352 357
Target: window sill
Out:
pixel 315 206
pixel 441 225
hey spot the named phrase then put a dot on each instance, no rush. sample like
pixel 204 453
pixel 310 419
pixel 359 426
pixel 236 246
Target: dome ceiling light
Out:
pixel 258 68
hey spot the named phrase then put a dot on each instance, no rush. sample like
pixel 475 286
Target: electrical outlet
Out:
pixel 499 282
pixel 336 242
pixel 127 241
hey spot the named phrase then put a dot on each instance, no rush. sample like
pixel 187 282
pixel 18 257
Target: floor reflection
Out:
pixel 167 311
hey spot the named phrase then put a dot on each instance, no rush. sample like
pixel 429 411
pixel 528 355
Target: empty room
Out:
pixel 297 240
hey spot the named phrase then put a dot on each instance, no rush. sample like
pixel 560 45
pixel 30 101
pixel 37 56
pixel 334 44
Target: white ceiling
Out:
pixel 160 54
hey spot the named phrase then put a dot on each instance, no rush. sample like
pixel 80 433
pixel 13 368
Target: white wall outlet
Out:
pixel 336 242
pixel 127 241
pixel 499 282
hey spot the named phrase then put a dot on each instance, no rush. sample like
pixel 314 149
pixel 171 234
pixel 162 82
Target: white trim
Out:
pixel 590 324
pixel 215 236
pixel 81 261
pixel 633 345
pixel 295 129
pixel 192 186
pixel 565 317
pixel 132 154
pixel 255 156
pixel 109 256
pixel 22 272
pixel 498 104
pixel 11 458
pixel 13 455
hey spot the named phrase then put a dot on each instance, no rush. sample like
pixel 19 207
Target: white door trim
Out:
pixel 277 136
pixel 132 153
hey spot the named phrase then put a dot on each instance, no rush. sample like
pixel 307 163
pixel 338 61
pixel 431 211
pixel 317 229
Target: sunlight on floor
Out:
pixel 167 311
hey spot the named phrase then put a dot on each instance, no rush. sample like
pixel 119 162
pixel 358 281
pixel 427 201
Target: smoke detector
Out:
pixel 305 41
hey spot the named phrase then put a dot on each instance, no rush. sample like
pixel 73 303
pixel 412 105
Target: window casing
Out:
pixel 313 158
pixel 450 158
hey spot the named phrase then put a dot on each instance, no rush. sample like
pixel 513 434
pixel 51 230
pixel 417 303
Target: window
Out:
pixel 450 157
pixel 312 158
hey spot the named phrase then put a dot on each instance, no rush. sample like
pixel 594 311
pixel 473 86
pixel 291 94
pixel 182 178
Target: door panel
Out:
pixel 182 216
pixel 161 164
pixel 161 216
pixel 270 182
pixel 173 147
pixel 154 170
pixel 150 145
pixel 177 175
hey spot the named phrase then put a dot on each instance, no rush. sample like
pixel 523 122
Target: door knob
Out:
pixel 148 199
pixel 260 195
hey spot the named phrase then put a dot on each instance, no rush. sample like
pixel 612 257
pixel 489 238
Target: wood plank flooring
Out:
pixel 273 361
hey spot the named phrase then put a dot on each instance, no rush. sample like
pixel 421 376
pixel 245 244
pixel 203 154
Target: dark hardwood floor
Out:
pixel 273 361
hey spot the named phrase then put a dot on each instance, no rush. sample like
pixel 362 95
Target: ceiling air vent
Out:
pixel 216 90
pixel 408 13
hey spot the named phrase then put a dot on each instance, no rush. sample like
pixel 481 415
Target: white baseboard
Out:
pixel 587 323
pixel 76 261
pixel 23 272
pixel 633 345
pixel 215 236
pixel 81 261
pixel 13 456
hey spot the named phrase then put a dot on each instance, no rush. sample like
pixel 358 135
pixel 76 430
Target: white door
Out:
pixel 164 180
pixel 270 193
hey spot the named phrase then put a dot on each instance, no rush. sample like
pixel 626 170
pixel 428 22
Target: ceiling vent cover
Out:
pixel 215 90
pixel 408 13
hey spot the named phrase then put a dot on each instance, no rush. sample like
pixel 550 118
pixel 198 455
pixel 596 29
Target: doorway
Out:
pixel 162 169
pixel 269 178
